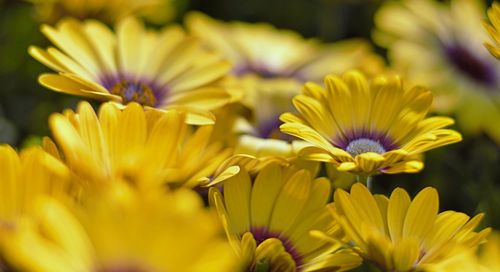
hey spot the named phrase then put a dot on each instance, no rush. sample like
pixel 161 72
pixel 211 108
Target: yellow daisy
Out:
pixel 494 16
pixel 162 69
pixel 367 127
pixel 157 11
pixel 440 45
pixel 268 218
pixel 489 255
pixel 141 146
pixel 267 52
pixel 272 65
pixel 398 234
pixel 25 176
pixel 120 230
pixel 487 259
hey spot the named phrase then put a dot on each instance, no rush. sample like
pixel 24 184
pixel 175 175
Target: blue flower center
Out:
pixel 363 145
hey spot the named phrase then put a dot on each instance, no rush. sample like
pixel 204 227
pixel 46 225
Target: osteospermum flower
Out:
pixel 400 234
pixel 272 64
pixel 110 11
pixel 367 127
pixel 25 176
pixel 136 145
pixel 262 50
pixel 268 219
pixel 489 255
pixel 164 69
pixel 120 230
pixel 440 45
pixel 494 16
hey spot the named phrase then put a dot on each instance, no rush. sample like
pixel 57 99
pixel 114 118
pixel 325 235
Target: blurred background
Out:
pixel 467 174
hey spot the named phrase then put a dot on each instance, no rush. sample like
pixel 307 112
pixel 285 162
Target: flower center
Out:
pixel 363 145
pixel 476 68
pixel 261 234
pixel 134 91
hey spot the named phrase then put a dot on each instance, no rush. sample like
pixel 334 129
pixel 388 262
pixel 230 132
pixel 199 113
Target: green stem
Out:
pixel 369 181
pixel 361 179
pixel 366 180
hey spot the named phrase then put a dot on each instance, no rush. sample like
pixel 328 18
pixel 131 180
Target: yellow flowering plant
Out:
pixel 367 127
pixel 214 145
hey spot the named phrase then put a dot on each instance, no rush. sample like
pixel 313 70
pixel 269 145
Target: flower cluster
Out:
pixel 220 146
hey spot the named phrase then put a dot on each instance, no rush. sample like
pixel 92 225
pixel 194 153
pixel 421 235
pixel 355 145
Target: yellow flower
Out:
pixel 489 255
pixel 268 219
pixel 267 52
pixel 367 127
pixel 440 45
pixel 157 11
pixel 399 234
pixel 272 64
pixel 494 16
pixel 487 259
pixel 144 147
pixel 164 69
pixel 120 230
pixel 25 176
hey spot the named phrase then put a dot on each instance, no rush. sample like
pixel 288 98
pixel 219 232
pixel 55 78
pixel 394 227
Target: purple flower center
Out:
pixel 472 65
pixel 359 142
pixel 260 234
pixel 134 91
pixel 143 91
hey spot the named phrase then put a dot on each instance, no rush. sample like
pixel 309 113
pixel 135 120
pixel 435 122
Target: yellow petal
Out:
pixel 369 162
pixel 180 59
pixel 129 32
pixel 381 251
pixel 364 202
pixel 69 36
pixel 237 193
pixel 291 201
pixel 199 77
pixel 46 58
pixel 248 247
pixel 421 214
pixel 396 213
pixel 104 42
pixel 206 98
pixel 63 84
pixel 405 254
pixel 404 167
pixel 216 200
pixel 61 227
pixel 92 134
pixel 266 189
